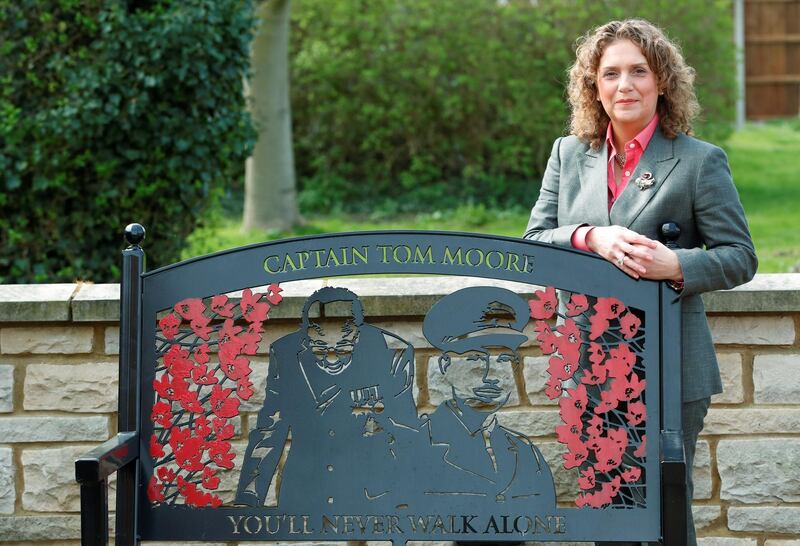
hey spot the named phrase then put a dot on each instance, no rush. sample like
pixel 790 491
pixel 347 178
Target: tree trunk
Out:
pixel 270 200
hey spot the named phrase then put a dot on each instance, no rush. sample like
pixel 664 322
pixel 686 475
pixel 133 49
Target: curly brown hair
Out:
pixel 677 106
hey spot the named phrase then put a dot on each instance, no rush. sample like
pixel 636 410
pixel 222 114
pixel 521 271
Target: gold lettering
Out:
pixel 420 258
pixel 287 262
pixel 480 257
pixel 332 256
pixel 377 525
pixel 359 255
pixel 489 257
pixel 395 256
pixel 449 257
pixel 384 250
pixel 266 264
pixel 561 525
pixel 270 519
pixel 528 263
pixel 394 524
pixel 317 254
pixel 492 524
pixel 528 525
pixel 302 256
pixel 513 261
pixel 348 524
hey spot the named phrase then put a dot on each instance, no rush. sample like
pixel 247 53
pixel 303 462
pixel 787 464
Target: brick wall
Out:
pixel 58 386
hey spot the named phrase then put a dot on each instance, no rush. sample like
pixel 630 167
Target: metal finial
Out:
pixel 134 234
pixel 670 231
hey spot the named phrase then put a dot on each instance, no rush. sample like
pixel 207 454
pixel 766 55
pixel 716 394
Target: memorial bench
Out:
pixel 339 450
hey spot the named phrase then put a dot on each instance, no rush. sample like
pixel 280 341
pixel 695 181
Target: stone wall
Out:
pixel 58 390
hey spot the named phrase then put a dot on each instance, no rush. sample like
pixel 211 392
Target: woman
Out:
pixel 628 167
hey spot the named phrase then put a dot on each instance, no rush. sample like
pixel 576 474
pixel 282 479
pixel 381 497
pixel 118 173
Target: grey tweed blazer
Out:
pixel 693 187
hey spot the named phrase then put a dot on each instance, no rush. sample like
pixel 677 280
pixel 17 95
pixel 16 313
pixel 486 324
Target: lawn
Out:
pixel 765 160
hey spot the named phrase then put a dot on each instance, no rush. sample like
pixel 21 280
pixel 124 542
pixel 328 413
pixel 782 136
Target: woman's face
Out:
pixel 627 88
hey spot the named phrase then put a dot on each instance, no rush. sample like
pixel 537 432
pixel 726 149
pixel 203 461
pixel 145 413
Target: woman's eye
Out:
pixel 609 74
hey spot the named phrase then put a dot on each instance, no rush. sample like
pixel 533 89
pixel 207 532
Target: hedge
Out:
pixel 414 104
pixel 112 112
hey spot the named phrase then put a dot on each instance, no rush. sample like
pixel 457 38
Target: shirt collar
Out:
pixel 643 138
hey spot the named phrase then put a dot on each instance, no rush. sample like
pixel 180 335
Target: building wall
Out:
pixel 58 391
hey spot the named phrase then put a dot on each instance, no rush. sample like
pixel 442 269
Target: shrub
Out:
pixel 112 112
pixel 428 103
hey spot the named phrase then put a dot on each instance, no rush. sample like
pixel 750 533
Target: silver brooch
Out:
pixel 644 181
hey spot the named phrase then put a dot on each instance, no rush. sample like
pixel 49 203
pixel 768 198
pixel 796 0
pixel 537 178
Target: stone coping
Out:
pixel 404 296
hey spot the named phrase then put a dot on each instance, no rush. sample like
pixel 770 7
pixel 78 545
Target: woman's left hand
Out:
pixel 664 264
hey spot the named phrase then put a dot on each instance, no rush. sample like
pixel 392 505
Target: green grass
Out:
pixel 765 160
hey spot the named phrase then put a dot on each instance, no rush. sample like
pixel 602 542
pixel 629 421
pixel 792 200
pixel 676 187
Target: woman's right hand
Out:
pixel 620 245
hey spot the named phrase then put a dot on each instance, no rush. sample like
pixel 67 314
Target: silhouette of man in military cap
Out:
pixel 478 330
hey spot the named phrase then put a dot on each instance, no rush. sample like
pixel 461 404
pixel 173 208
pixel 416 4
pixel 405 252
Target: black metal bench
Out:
pixel 339 450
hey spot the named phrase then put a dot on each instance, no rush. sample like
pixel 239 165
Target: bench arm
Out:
pixel 92 471
pixel 673 488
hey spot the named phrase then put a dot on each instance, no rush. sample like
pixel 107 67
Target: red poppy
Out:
pixel 611 489
pixel 578 303
pixel 619 437
pixel 252 310
pixel 608 401
pixel 222 429
pixel 190 403
pixel 621 361
pixel 210 479
pixel 274 294
pixel 201 328
pixel 608 456
pixel 546 338
pixel 569 434
pixel 220 454
pixel 186 488
pixel 609 308
pixel 249 342
pixel 584 499
pixel 155 490
pixel 169 326
pixel 569 343
pixel 544 304
pixel 190 309
pixel 171 388
pixel 637 412
pixel 641 451
pixel 177 362
pixel 202 426
pixel 632 474
pixel 553 388
pixel 222 306
pixel 190 454
pixel 560 368
pixel 595 426
pixel 573 406
pixel 232 363
pixel 599 499
pixel 156 449
pixel 161 414
pixel 629 324
pixel 201 354
pixel 221 403
pixel 202 376
pixel 594 376
pixel 178 436
pixel 229 331
pixel 587 479
pixel 596 353
pixel 575 457
pixel 599 326
pixel 244 388
pixel 166 474
pixel 628 389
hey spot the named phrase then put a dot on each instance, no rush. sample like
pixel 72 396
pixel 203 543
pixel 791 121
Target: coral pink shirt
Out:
pixel 634 150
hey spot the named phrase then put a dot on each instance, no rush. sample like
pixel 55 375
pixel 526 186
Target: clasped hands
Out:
pixel 635 254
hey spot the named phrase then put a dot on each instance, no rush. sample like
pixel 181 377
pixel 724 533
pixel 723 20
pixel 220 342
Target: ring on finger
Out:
pixel 621 260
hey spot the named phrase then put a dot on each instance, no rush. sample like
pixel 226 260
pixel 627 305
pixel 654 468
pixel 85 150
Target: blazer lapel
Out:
pixel 593 175
pixel 659 161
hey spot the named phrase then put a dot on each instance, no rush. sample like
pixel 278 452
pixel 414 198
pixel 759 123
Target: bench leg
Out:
pixel 94 514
